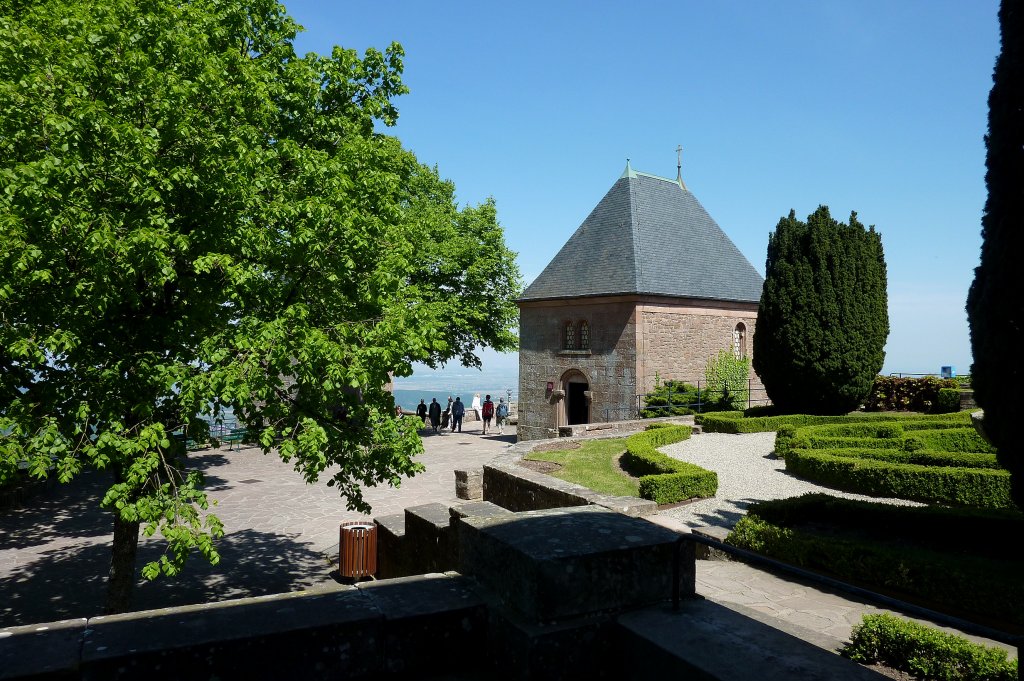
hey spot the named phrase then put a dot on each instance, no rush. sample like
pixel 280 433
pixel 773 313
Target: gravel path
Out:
pixel 747 472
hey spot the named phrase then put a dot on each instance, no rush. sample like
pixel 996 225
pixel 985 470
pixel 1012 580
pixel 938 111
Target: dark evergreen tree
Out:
pixel 822 322
pixel 995 308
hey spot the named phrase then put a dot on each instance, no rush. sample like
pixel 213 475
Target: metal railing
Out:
pixel 706 399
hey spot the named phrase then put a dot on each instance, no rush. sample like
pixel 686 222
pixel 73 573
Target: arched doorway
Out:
pixel 577 399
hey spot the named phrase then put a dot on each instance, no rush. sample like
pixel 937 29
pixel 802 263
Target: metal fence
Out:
pixel 702 399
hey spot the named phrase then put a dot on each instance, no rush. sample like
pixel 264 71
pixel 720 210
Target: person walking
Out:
pixel 448 420
pixel 421 411
pixel 500 415
pixel 435 413
pixel 458 411
pixel 488 412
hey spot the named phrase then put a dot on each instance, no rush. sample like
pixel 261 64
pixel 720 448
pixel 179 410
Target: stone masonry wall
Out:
pixel 609 366
pixel 675 341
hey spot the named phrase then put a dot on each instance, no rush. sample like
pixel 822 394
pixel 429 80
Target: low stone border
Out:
pixel 518 488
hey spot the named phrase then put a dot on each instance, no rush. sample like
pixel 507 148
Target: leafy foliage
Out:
pixel 194 218
pixel 672 398
pixel 822 321
pixel 728 380
pixel 926 652
pixel 893 393
pixel 995 313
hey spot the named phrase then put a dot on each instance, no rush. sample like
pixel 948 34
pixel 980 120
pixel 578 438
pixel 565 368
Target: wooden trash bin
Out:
pixel 357 549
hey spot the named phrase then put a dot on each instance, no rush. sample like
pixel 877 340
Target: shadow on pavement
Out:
pixel 71 581
pixel 63 511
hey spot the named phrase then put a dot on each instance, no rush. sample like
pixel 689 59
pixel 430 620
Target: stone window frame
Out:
pixel 739 340
pixel 583 327
pixel 569 335
pixel 571 340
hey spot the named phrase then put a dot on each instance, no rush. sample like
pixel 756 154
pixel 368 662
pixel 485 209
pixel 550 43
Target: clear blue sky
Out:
pixel 868 105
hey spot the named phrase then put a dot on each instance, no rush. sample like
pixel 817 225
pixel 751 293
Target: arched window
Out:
pixel 584 335
pixel 739 341
pixel 570 336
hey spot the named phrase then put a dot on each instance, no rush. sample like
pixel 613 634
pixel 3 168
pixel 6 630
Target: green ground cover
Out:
pixel 594 465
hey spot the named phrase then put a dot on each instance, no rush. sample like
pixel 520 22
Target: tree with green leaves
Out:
pixel 194 218
pixel 994 309
pixel 823 321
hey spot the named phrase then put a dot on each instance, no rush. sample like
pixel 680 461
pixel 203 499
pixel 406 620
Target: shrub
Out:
pixel 727 379
pixel 926 652
pixel 893 393
pixel 979 487
pixel 664 479
pixel 734 421
pixel 947 401
pixel 994 312
pixel 822 321
pixel 672 398
pixel 898 548
pixel 953 440
pixel 920 457
pixel 978 532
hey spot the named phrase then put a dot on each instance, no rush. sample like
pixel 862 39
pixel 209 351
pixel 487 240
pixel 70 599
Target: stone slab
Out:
pixel 477 509
pixel 634 507
pixel 430 623
pixel 707 640
pixel 705 552
pixel 559 563
pixel 581 648
pixel 336 631
pixel 42 651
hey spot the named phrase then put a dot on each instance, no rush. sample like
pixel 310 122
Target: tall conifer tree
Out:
pixel 822 322
pixel 994 306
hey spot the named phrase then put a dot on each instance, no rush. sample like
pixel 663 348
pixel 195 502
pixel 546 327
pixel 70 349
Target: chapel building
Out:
pixel 649 286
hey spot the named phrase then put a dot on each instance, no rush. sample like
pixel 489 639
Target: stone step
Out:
pixel 697 430
pixel 711 640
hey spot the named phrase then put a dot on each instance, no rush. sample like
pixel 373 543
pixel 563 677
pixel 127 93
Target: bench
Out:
pixel 234 435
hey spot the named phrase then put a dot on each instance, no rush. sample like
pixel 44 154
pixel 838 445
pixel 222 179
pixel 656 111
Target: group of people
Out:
pixel 451 417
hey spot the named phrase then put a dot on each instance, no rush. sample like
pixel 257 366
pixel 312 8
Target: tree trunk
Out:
pixel 121 578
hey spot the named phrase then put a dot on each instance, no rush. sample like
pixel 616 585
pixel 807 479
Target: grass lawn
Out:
pixel 594 465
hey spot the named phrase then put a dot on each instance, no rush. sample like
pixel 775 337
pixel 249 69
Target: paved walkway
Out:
pixel 54 553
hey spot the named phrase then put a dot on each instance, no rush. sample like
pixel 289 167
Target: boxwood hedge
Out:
pixel 664 479
pixel 926 652
pixel 937 459
pixel 983 487
pixel 735 422
pixel 933 554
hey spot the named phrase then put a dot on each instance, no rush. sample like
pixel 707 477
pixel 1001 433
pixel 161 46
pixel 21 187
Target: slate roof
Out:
pixel 649 235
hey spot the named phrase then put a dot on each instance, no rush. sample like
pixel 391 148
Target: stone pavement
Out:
pixel 280 531
pixel 281 534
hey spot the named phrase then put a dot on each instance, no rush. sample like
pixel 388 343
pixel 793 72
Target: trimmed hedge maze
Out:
pixel 937 459
pixel 664 479
pixel 959 558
